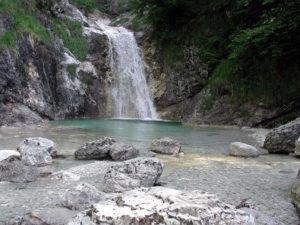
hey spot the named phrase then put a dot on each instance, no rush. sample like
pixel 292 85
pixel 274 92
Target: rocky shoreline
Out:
pixel 252 184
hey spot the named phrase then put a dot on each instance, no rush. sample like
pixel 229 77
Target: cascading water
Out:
pixel 130 92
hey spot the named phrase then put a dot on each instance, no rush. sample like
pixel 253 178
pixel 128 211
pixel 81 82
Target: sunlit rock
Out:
pixel 7 155
pixel 160 205
pixel 37 151
pixel 166 145
pixel 240 149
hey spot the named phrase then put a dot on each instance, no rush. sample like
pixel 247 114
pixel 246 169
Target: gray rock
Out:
pixel 81 197
pixel 240 149
pixel 297 147
pixel 37 151
pixel 15 171
pixel 166 145
pixel 47 216
pixel 283 138
pixel 98 149
pixel 261 218
pixel 122 152
pixel 296 193
pixel 160 205
pixel 131 174
pixel 7 155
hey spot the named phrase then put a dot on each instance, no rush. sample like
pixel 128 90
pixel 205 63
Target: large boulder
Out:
pixel 98 149
pixel 122 152
pixel 283 138
pixel 296 193
pixel 131 174
pixel 297 148
pixel 160 205
pixel 81 197
pixel 14 170
pixel 37 151
pixel 165 145
pixel 7 155
pixel 240 149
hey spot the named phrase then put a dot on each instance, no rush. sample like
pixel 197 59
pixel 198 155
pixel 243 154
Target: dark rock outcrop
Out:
pixel 283 138
pixel 98 149
pixel 122 152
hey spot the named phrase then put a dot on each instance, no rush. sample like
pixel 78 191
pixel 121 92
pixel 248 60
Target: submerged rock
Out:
pixel 37 151
pixel 122 152
pixel 240 149
pixel 7 155
pixel 166 145
pixel 160 205
pixel 98 149
pixel 261 218
pixel 131 174
pixel 81 197
pixel 283 138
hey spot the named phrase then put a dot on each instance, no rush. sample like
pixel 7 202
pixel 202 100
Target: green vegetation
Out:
pixel 71 34
pixel 87 5
pixel 23 20
pixel 72 69
pixel 251 46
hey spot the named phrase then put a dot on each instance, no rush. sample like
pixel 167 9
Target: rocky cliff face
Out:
pixel 41 80
pixel 183 93
pixel 37 80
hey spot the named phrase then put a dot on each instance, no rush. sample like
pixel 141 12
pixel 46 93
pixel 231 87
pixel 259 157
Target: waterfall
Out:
pixel 129 90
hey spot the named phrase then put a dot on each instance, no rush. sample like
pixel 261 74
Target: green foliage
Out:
pixel 87 5
pixel 23 19
pixel 8 40
pixel 72 69
pixel 251 46
pixel 71 34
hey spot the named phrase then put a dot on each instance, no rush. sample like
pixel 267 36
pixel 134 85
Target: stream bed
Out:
pixel 264 181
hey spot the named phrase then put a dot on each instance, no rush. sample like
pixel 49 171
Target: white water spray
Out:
pixel 130 92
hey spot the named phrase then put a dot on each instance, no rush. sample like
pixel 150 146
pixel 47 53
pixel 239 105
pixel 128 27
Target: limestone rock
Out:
pixel 283 138
pixel 297 148
pixel 7 155
pixel 98 149
pixel 122 152
pixel 240 149
pixel 47 216
pixel 160 205
pixel 296 193
pixel 166 145
pixel 37 151
pixel 131 174
pixel 15 171
pixel 81 197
